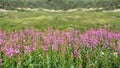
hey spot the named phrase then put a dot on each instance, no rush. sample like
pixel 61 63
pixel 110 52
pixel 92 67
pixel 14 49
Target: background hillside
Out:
pixel 60 4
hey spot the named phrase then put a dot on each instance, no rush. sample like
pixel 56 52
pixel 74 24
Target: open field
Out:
pixel 62 20
pixel 39 39
pixel 59 33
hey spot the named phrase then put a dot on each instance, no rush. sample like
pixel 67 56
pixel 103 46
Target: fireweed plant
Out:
pixel 27 48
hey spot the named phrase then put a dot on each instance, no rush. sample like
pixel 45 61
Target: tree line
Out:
pixel 60 4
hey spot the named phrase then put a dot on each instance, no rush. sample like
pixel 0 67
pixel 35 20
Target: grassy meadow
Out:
pixel 39 39
pixel 62 20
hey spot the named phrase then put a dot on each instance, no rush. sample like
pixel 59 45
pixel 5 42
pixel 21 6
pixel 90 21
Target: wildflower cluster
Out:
pixel 61 49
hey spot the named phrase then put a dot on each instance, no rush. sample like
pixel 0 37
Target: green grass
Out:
pixel 62 20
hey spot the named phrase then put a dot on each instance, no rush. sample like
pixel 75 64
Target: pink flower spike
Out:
pixel 0 61
pixel 1 41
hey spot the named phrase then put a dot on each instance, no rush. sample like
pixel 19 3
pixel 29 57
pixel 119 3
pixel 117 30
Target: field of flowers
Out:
pixel 95 48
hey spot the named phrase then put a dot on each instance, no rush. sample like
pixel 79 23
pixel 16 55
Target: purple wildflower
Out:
pixel 10 52
pixel 0 61
pixel 1 41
